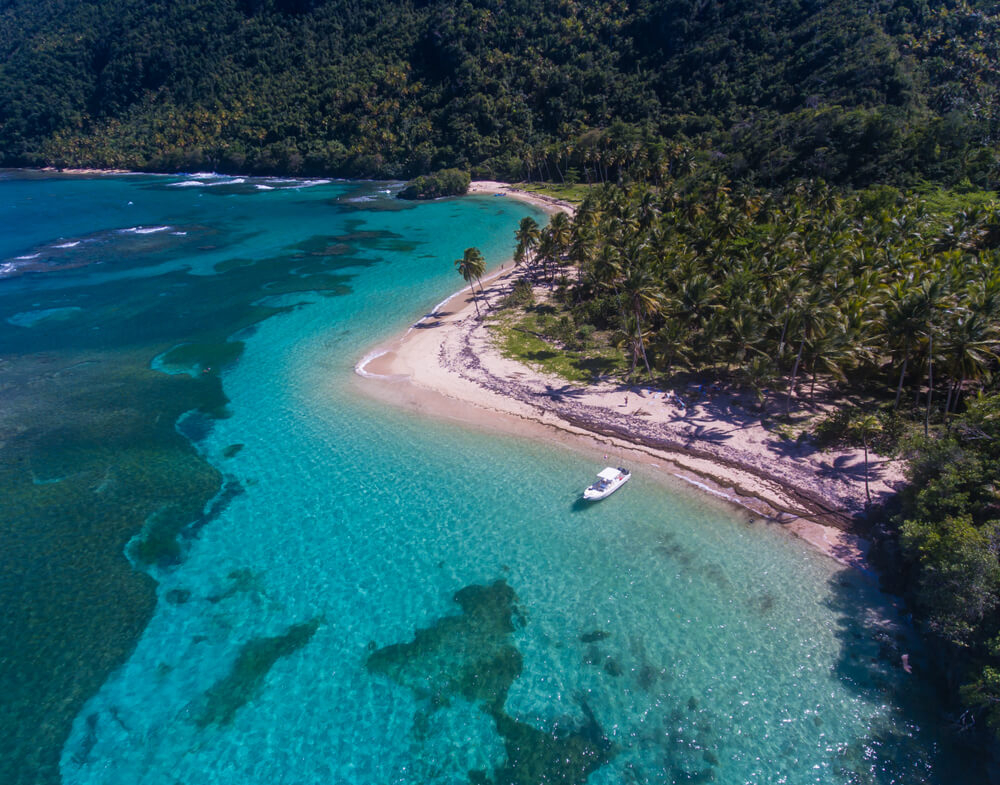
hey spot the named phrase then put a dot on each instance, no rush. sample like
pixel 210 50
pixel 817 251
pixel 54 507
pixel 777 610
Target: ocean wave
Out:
pixel 359 369
pixel 7 268
pixel 143 230
pixel 311 183
pixel 292 184
pixel 71 244
pixel 27 258
pixel 260 187
pixel 207 181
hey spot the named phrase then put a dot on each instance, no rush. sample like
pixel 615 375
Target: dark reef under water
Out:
pixel 473 655
pixel 252 664
pixel 90 456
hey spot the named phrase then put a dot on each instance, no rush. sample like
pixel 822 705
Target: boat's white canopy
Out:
pixel 608 474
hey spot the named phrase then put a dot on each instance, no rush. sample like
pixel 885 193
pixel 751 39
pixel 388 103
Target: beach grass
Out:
pixel 530 337
pixel 574 193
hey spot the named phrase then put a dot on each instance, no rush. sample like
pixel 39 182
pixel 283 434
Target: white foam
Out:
pixel 27 258
pixel 359 369
pixel 72 244
pixel 207 181
pixel 264 187
pixel 308 183
pixel 729 497
pixel 143 230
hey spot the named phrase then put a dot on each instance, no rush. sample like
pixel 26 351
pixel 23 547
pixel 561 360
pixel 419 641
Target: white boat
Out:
pixel 608 481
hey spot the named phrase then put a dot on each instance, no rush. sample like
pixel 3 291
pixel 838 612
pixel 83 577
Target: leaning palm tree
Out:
pixel 472 266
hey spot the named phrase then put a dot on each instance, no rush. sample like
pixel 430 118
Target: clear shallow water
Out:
pixel 657 637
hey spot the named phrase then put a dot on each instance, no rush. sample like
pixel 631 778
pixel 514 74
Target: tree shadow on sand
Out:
pixel 713 434
pixel 433 319
pixel 561 393
pixel 850 467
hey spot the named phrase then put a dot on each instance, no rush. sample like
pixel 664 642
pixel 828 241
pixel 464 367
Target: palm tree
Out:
pixel 866 427
pixel 527 239
pixel 560 229
pixel 758 375
pixel 472 266
pixel 645 298
pixel 546 251
pixel 971 344
pixel 908 310
pixel 811 320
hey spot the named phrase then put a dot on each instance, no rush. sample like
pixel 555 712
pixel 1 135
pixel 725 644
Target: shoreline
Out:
pixel 446 365
pixel 547 203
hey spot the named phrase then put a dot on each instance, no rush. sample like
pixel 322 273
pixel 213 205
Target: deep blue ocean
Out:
pixel 224 565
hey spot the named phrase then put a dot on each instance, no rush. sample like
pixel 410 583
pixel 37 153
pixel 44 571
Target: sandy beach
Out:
pixel 548 203
pixel 447 365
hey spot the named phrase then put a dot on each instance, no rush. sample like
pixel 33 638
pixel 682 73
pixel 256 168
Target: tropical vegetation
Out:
pixel 560 91
pixel 874 289
pixel 447 182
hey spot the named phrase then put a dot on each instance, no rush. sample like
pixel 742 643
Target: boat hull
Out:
pixel 604 488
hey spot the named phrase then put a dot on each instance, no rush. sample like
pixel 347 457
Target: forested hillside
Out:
pixel 768 90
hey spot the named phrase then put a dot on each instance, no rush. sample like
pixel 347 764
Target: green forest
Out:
pixel 555 90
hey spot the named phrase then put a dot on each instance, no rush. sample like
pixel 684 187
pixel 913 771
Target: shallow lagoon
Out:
pixel 372 597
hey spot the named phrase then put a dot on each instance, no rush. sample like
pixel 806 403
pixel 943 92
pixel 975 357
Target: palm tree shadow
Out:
pixel 791 449
pixel 432 319
pixel 850 467
pixel 595 366
pixel 703 434
pixel 874 635
pixel 561 393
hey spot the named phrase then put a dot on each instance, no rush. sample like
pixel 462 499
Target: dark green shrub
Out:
pixel 446 182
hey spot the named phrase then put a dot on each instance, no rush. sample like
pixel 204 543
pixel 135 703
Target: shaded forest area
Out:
pixel 554 90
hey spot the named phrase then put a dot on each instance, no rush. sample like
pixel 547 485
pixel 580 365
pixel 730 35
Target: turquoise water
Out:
pixel 310 626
